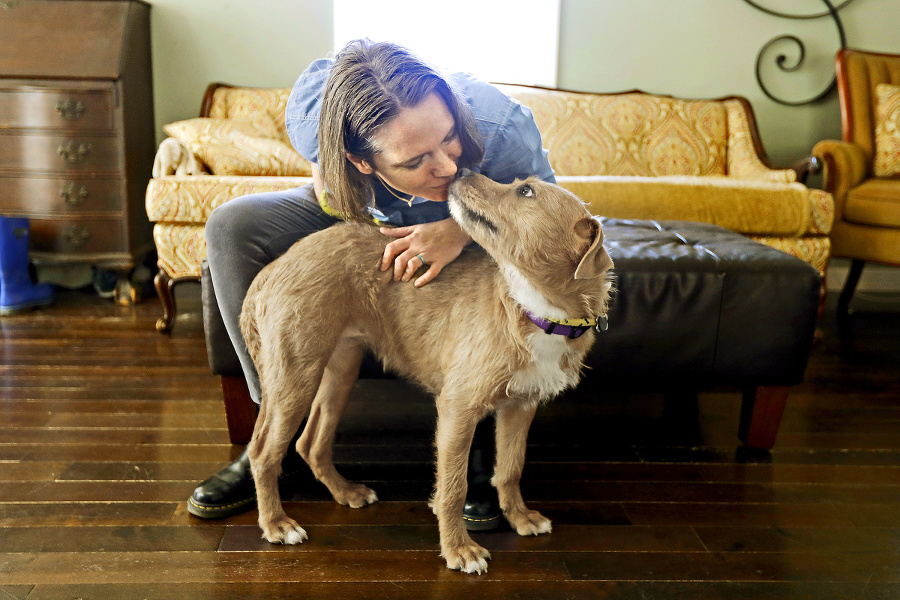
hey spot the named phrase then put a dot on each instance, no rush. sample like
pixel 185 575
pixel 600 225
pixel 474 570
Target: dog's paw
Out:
pixel 529 522
pixel 286 531
pixel 468 558
pixel 356 496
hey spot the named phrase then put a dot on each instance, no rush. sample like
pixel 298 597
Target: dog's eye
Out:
pixel 526 191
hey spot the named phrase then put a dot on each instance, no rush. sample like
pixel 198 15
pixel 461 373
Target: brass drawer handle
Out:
pixel 74 195
pixel 76 235
pixel 70 110
pixel 72 153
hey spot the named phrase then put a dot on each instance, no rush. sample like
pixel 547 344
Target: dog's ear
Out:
pixel 596 261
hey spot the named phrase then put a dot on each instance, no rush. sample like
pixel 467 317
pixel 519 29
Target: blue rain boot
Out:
pixel 18 292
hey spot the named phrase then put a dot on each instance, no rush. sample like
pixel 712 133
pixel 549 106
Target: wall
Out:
pixel 265 43
pixel 687 48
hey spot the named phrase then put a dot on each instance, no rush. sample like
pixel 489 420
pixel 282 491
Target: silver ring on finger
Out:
pixel 419 256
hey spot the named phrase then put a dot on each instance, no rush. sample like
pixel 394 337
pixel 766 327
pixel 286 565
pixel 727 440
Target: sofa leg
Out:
pixel 761 414
pixel 240 409
pixel 164 285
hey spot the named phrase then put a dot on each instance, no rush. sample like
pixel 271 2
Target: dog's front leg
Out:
pixel 513 423
pixel 455 429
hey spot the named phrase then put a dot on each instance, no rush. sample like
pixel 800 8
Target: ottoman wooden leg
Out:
pixel 761 414
pixel 240 409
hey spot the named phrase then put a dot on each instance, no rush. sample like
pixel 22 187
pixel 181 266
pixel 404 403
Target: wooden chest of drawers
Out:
pixel 76 129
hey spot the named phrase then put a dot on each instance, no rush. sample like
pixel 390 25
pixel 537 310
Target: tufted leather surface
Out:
pixel 694 303
pixel 697 302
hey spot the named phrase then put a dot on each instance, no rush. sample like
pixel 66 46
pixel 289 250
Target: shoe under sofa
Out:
pixel 686 194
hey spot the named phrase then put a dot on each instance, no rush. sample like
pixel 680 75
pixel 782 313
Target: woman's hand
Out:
pixel 438 243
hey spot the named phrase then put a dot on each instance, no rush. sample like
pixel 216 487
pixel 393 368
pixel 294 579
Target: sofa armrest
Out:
pixel 845 168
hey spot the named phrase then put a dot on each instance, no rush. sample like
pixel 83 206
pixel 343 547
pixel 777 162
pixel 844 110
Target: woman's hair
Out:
pixel 368 86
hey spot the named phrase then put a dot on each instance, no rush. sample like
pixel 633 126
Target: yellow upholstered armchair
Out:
pixel 862 172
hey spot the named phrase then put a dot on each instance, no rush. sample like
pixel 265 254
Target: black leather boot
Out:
pixel 482 509
pixel 231 491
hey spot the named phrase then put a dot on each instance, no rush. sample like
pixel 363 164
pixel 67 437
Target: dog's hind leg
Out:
pixel 288 386
pixel 513 423
pixel 316 443
pixel 455 429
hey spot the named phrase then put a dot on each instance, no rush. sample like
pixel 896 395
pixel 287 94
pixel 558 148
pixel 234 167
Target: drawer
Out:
pixel 56 108
pixel 49 196
pixel 77 236
pixel 59 152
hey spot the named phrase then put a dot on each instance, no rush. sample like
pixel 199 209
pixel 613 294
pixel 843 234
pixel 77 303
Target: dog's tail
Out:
pixel 248 319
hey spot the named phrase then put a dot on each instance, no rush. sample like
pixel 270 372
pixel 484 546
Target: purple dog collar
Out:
pixel 569 331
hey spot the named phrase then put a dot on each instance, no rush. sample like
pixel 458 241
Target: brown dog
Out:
pixel 309 316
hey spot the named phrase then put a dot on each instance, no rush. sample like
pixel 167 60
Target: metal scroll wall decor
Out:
pixel 782 60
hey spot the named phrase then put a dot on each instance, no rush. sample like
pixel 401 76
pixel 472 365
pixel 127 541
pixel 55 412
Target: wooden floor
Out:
pixel 106 426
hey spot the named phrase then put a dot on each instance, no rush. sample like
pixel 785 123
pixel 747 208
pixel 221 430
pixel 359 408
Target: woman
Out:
pixel 385 135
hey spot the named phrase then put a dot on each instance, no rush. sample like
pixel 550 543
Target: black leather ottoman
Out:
pixel 700 305
pixel 695 305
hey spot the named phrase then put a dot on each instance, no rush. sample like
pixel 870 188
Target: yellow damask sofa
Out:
pixel 629 155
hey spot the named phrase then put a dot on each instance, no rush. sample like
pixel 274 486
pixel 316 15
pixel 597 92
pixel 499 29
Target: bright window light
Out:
pixel 505 41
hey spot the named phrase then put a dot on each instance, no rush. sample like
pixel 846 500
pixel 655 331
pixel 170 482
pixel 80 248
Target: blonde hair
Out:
pixel 368 86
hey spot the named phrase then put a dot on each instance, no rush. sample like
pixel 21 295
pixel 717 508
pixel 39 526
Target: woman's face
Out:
pixel 417 150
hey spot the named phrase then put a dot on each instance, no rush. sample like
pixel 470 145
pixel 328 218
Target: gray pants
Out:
pixel 243 236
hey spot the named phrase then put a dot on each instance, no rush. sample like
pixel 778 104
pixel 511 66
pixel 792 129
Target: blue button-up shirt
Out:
pixel 512 142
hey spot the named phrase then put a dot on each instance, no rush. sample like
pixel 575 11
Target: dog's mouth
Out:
pixel 463 213
pixel 474 217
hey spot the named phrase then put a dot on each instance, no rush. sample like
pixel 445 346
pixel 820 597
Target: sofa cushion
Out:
pixel 874 202
pixel 186 199
pixel 744 206
pixel 249 103
pixel 887 130
pixel 239 147
pixel 628 134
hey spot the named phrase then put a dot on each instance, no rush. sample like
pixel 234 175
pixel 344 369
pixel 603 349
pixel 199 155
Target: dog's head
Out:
pixel 530 222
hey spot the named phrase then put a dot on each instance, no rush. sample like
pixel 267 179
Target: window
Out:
pixel 507 41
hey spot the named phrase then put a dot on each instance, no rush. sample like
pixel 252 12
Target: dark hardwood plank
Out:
pixel 762 515
pixel 87 404
pixel 215 567
pixel 778 590
pixel 110 539
pixel 800 539
pixel 80 514
pixel 883 567
pixel 30 471
pixel 15 592
pixel 446 589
